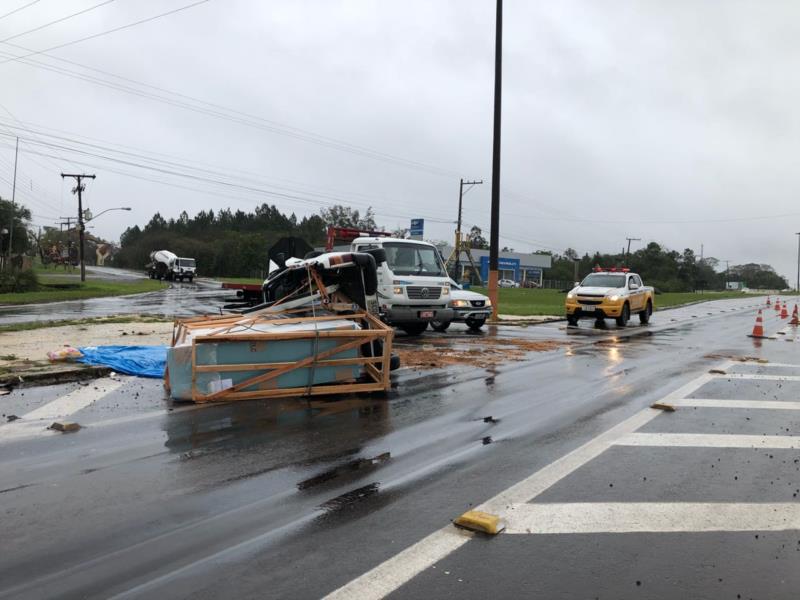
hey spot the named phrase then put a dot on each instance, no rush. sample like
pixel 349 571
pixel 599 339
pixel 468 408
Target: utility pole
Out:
pixel 79 188
pixel 727 272
pixel 798 261
pixel 494 235
pixel 13 203
pixel 455 257
pixel 629 244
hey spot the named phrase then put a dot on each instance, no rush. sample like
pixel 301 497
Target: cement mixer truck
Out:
pixel 170 267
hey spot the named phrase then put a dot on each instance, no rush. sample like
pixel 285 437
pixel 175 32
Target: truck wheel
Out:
pixel 413 328
pixel 644 316
pixel 476 324
pixel 572 320
pixel 190 278
pixel 623 319
pixel 440 325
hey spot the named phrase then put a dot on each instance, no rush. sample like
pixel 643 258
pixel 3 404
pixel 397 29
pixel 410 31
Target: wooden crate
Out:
pixel 375 369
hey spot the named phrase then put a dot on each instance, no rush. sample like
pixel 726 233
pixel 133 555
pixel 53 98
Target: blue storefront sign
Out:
pixel 503 264
pixel 416 231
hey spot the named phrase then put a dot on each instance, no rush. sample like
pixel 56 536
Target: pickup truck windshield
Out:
pixel 604 280
pixel 185 262
pixel 413 259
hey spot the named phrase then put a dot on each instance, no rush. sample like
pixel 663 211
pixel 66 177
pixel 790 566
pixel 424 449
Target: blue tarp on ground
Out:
pixel 142 361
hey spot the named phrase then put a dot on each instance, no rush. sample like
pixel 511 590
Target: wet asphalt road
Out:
pixel 276 500
pixel 203 296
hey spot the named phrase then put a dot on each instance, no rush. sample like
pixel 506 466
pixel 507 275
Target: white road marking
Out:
pixel 401 568
pixel 709 440
pixel 652 517
pixel 756 404
pixel 33 423
pixel 759 376
pixel 76 400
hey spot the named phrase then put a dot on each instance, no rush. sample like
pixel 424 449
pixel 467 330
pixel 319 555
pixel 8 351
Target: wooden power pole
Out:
pixel 81 226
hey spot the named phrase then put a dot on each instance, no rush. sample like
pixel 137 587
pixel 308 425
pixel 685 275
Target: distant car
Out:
pixel 507 283
pixel 468 307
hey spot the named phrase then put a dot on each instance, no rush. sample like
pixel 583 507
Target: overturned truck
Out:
pixel 316 332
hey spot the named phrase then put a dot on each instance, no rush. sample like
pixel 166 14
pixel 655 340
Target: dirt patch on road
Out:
pixel 484 353
pixel 33 345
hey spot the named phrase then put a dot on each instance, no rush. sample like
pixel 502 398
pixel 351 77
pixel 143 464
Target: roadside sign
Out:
pixel 417 228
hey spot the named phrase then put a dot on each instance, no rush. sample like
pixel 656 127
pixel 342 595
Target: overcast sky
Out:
pixel 668 121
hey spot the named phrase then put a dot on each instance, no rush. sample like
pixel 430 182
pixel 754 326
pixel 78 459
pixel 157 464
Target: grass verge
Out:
pixel 56 291
pixel 531 302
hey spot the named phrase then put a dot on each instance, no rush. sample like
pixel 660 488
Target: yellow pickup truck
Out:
pixel 610 293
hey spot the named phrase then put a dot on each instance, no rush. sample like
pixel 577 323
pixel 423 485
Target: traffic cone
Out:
pixel 777 304
pixel 758 328
pixel 795 320
pixel 768 302
pixel 784 311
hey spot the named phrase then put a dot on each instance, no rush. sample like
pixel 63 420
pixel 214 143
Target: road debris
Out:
pixel 482 522
pixel 663 406
pixel 717 372
pixel 11 418
pixel 480 352
pixel 316 333
pixel 65 426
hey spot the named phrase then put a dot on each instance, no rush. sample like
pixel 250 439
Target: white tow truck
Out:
pixel 413 284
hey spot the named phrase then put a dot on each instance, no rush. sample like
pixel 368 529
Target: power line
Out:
pixel 158 165
pixel 16 10
pixel 109 31
pixel 61 20
pixel 214 109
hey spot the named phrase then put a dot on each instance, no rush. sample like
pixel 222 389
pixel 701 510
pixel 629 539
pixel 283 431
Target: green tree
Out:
pixel 346 216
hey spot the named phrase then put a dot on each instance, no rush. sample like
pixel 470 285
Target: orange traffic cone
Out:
pixel 758 328
pixel 768 302
pixel 777 304
pixel 784 311
pixel 795 320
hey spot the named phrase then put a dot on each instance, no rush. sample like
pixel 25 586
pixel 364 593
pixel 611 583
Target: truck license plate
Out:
pixel 426 314
pixel 587 308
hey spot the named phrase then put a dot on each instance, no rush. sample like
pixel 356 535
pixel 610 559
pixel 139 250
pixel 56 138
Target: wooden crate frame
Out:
pixel 372 329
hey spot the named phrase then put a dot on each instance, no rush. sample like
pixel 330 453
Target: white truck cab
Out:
pixel 413 284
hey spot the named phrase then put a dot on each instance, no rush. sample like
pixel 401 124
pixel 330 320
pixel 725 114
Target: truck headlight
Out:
pixel 570 295
pixel 460 303
pixel 446 290
pixel 613 298
pixel 398 291
pixel 488 304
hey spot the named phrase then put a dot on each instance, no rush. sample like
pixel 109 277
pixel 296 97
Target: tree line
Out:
pixel 668 270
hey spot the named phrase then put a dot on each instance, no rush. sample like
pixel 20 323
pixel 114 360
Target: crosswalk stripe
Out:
pixel 708 440
pixel 746 404
pixel 650 517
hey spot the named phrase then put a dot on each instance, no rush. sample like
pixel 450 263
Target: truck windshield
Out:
pixel 413 259
pixel 185 262
pixel 604 280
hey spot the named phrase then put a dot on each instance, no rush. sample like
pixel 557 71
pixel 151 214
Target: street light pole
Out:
pixel 494 237
pixel 13 204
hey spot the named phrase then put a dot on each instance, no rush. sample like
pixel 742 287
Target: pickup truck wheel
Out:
pixel 475 324
pixel 623 319
pixel 190 278
pixel 644 316
pixel 440 325
pixel 572 320
pixel 413 328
